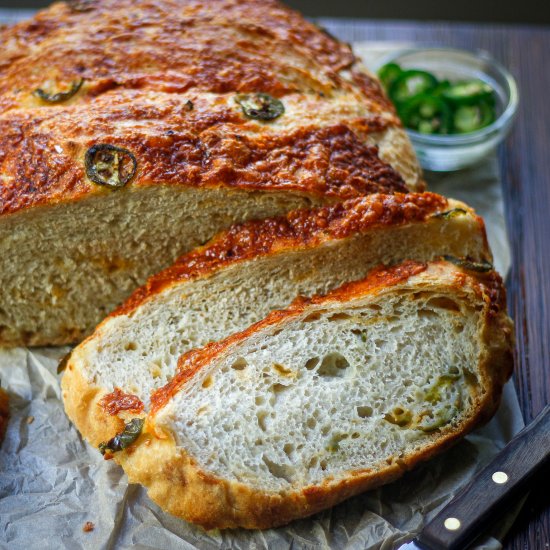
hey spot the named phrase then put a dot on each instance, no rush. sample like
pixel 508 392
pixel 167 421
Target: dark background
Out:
pixel 518 11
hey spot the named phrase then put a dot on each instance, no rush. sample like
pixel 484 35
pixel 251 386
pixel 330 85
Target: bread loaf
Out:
pixel 326 399
pixel 238 278
pixel 132 132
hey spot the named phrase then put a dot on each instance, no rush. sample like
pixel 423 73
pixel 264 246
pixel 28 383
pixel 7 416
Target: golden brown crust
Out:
pixel 179 485
pixel 304 228
pixel 160 80
pixel 172 45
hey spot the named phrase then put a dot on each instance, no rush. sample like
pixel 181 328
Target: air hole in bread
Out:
pixel 279 388
pixel 312 462
pixel 259 400
pixel 311 422
pixel 261 416
pixel 364 411
pixel 239 364
pixel 470 377
pixel 333 365
pixel 281 369
pixel 339 317
pixel 207 382
pixel 334 443
pixel 427 313
pixel 130 346
pixel 276 470
pixel 312 363
pixel 458 328
pixel 155 369
pixel 443 302
pixel 288 449
pixel 315 316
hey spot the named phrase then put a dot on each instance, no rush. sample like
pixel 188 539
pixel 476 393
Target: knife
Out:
pixel 462 520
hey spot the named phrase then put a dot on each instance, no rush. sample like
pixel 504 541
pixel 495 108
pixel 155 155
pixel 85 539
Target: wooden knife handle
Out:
pixel 472 509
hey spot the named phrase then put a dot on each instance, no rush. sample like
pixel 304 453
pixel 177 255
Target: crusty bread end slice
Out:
pixel 326 399
pixel 238 278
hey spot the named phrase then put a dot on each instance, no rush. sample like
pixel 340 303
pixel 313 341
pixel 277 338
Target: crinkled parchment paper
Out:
pixel 52 483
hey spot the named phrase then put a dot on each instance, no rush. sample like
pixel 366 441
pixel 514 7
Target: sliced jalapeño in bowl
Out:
pixel 468 118
pixel 411 83
pixel 428 105
pixel 426 114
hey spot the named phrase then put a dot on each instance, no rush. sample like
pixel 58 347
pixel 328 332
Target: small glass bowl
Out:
pixel 445 153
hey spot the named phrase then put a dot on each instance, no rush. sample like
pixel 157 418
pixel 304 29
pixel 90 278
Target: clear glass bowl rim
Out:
pixel 497 126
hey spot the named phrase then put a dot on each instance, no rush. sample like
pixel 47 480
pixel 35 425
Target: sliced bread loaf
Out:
pixel 238 278
pixel 326 399
pixel 118 155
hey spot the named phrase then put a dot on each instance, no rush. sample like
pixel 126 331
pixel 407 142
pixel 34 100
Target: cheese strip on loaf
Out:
pixel 241 276
pixel 133 131
pixel 331 397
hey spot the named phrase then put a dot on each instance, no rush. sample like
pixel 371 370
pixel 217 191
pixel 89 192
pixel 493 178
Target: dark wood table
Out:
pixel 525 166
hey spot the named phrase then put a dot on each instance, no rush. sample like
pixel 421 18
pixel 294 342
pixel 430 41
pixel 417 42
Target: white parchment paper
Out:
pixel 52 483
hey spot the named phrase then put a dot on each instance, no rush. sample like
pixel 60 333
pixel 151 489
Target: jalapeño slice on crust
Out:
pixel 469 265
pixel 59 97
pixel 110 165
pixel 260 106
pixel 124 439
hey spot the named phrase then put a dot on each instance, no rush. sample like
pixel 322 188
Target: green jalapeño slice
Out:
pixel 260 106
pixel 468 118
pixel 426 114
pixel 389 73
pixel 431 106
pixel 411 83
pixel 59 97
pixel 110 165
pixel 468 92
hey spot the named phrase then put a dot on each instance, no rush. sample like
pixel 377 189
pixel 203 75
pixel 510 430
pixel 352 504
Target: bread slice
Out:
pixel 238 278
pixel 118 156
pixel 326 399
